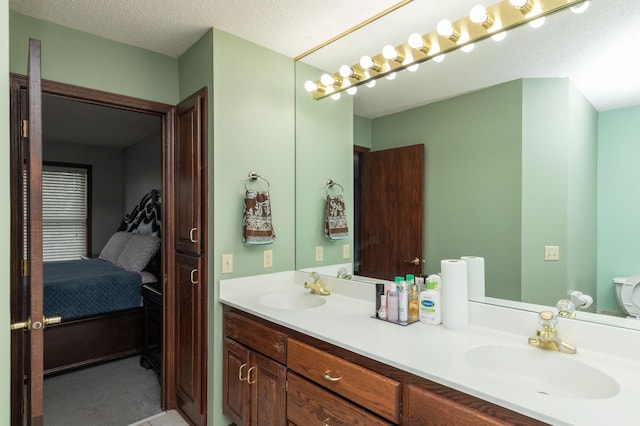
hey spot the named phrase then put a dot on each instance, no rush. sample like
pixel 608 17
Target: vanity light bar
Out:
pixel 505 16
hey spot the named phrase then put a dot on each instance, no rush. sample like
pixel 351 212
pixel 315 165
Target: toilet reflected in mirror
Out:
pixel 628 295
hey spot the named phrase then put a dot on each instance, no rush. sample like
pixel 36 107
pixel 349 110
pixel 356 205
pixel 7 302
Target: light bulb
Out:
pixel 580 7
pixel 524 6
pixel 390 76
pixel 479 15
pixel 413 68
pixel 537 23
pixel 352 90
pixel 439 58
pixel 468 47
pixel 445 28
pixel 345 71
pixel 370 83
pixel 335 96
pixel 499 36
pixel 310 86
pixel 329 89
pixel 416 41
pixel 327 79
pixel 389 52
pixel 366 62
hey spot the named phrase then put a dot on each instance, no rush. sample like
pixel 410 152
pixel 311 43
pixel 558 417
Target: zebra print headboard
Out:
pixel 146 216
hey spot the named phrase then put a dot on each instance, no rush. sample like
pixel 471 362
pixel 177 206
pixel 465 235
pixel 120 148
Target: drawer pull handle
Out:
pixel 331 378
pixel 192 231
pixel 242 379
pixel 325 422
pixel 249 375
pixel 193 276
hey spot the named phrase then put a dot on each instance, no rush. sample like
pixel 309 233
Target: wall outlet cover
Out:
pixel 319 253
pixel 267 258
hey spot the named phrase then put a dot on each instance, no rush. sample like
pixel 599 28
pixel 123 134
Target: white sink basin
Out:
pixel 292 301
pixel 545 372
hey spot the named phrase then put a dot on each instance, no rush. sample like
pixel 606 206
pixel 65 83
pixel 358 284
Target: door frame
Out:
pixel 167 114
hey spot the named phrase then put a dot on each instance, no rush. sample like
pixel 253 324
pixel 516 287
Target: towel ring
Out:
pixel 331 184
pixel 253 177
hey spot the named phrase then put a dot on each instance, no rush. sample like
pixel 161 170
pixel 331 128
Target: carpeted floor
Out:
pixel 117 393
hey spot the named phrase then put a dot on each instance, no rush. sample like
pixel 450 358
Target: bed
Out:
pixel 99 299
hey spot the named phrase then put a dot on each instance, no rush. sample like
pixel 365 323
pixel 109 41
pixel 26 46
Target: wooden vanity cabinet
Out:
pixel 254 376
pixel 277 376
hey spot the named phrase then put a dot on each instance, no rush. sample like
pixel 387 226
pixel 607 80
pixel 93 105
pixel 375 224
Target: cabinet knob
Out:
pixel 327 376
pixel 249 375
pixel 193 276
pixel 242 379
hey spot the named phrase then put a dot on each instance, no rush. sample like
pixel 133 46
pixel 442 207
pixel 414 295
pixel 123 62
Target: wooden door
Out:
pixel 191 258
pixel 31 322
pixel 392 213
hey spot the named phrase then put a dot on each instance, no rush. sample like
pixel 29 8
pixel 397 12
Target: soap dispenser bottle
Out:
pixel 430 308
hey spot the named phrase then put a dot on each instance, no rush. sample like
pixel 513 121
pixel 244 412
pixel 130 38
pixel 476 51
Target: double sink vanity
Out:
pixel 292 357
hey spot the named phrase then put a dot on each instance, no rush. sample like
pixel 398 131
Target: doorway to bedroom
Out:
pixel 120 144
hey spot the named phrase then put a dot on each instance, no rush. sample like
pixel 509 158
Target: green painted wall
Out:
pixel 253 130
pixel 472 178
pixel 82 59
pixel 362 131
pixel 618 205
pixel 5 218
pixel 324 150
pixel 558 190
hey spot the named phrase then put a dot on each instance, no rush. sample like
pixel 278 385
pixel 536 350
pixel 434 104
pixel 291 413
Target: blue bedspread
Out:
pixel 76 288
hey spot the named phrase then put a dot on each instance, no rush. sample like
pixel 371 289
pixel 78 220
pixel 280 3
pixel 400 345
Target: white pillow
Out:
pixel 114 246
pixel 138 252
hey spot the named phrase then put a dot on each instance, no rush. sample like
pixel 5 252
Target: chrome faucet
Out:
pixel 547 335
pixel 316 285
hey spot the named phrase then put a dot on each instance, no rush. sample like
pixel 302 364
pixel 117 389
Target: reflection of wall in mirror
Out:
pixel 493 190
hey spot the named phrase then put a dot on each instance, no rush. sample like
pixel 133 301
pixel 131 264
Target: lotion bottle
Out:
pixel 430 307
pixel 403 304
pixel 382 312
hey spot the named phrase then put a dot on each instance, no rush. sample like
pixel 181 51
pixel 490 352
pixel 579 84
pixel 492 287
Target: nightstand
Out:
pixel 152 305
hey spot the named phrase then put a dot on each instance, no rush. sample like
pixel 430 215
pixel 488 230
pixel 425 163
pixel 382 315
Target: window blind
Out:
pixel 64 212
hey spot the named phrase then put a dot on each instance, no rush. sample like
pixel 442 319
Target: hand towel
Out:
pixel 257 227
pixel 335 224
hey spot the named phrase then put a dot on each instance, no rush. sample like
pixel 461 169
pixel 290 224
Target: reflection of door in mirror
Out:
pixel 389 211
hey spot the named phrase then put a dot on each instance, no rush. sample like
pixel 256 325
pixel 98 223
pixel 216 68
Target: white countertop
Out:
pixel 438 354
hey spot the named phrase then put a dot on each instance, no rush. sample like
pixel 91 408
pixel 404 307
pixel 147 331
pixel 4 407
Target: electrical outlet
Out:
pixel 319 253
pixel 267 258
pixel 551 252
pixel 227 263
pixel 345 251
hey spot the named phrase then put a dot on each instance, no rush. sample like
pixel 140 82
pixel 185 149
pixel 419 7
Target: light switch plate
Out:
pixel 227 263
pixel 267 258
pixel 551 252
pixel 345 251
pixel 319 253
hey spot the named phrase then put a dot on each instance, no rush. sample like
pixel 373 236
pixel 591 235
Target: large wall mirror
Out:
pixel 529 142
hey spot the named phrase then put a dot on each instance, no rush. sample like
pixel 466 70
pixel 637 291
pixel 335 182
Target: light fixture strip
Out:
pixel 505 17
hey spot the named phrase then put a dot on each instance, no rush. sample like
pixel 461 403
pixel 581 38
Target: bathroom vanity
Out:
pixel 290 358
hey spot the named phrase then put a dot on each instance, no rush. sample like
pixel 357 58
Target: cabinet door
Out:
pixel 188 175
pixel 236 398
pixel 189 338
pixel 267 382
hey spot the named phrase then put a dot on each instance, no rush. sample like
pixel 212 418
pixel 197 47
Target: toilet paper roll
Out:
pixel 455 302
pixel 475 276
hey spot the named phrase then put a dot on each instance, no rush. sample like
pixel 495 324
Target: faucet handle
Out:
pixel 547 320
pixel 566 308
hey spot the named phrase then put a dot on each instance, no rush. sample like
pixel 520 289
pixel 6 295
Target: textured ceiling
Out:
pixel 597 50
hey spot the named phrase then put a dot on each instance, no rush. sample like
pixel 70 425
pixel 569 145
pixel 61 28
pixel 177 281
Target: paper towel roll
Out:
pixel 475 276
pixel 455 303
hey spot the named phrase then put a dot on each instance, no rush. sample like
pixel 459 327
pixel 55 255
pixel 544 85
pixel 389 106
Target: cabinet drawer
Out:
pixel 256 336
pixel 371 390
pixel 308 404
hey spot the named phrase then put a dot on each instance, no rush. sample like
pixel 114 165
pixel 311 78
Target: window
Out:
pixel 65 211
